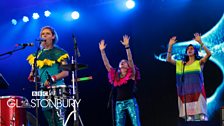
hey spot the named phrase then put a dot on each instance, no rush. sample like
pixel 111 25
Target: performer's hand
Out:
pixel 125 41
pixel 102 45
pixel 172 41
pixel 30 78
pixel 46 83
pixel 197 38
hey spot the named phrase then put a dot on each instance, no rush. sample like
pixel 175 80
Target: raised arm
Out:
pixel 169 52
pixel 102 47
pixel 197 38
pixel 125 42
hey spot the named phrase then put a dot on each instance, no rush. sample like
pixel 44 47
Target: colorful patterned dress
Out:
pixel 190 85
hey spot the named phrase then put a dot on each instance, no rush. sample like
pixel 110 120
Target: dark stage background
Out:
pixel 150 25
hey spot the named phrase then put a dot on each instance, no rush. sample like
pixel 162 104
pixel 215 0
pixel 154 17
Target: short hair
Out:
pixel 54 33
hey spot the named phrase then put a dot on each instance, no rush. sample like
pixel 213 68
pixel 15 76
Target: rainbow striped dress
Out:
pixel 190 85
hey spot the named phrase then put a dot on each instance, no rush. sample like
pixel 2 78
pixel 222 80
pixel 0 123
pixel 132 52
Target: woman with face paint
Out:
pixel 124 80
pixel 190 82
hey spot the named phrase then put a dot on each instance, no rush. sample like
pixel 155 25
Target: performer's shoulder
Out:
pixel 59 49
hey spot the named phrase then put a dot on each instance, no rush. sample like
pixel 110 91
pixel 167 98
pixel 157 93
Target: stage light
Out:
pixel 25 19
pixel 35 16
pixel 14 22
pixel 130 4
pixel 75 15
pixel 47 13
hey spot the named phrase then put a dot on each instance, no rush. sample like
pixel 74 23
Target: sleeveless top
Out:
pixel 124 86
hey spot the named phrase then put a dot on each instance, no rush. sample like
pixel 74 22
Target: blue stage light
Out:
pixel 130 4
pixel 14 22
pixel 47 13
pixel 25 19
pixel 35 16
pixel 75 15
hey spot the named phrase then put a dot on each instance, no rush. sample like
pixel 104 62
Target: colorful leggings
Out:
pixel 129 106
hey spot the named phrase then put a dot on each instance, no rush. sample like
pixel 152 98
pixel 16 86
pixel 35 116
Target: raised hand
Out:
pixel 172 41
pixel 169 51
pixel 102 45
pixel 197 38
pixel 125 41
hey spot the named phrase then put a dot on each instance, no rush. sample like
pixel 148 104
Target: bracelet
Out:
pixel 53 78
pixel 127 47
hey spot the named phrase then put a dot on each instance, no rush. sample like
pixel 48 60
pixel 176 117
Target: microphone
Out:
pixel 25 44
pixel 185 59
pixel 40 40
pixel 75 45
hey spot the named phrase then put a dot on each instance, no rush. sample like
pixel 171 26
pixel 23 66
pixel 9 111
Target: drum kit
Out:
pixel 13 108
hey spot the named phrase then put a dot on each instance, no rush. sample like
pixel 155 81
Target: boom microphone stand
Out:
pixel 11 52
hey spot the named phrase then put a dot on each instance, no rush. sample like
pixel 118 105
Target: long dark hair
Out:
pixel 186 57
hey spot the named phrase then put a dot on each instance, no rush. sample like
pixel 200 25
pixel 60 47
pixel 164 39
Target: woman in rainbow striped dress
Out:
pixel 190 81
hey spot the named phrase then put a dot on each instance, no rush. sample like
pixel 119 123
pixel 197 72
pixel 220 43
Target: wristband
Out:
pixel 127 47
pixel 202 44
pixel 53 78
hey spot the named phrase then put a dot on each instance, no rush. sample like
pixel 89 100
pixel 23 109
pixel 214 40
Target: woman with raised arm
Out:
pixel 190 82
pixel 124 79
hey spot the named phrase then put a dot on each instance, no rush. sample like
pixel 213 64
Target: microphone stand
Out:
pixel 11 52
pixel 182 81
pixel 111 100
pixel 36 79
pixel 75 84
pixel 75 91
pixel 51 96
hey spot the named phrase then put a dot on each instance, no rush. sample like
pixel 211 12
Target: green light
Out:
pixel 85 78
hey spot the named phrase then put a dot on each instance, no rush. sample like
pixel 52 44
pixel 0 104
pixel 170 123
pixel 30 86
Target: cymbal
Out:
pixel 71 67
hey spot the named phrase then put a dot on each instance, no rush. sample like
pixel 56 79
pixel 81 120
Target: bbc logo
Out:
pixel 39 93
